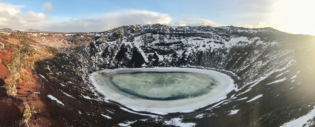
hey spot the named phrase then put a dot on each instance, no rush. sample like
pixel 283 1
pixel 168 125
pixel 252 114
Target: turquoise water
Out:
pixel 163 85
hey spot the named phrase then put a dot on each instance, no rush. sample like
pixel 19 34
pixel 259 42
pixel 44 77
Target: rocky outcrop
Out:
pixel 227 48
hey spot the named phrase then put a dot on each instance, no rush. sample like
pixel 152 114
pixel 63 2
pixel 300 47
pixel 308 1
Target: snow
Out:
pixel 36 92
pixel 247 90
pixel 255 98
pixel 62 85
pixel 86 97
pixel 55 99
pixel 67 94
pixel 161 58
pixel 178 122
pixel 153 116
pixel 200 116
pixel 277 81
pixel 295 75
pixel 110 111
pixel 299 122
pixel 106 116
pixel 70 82
pixel 233 112
pixel 50 72
pixel 43 77
pixel 143 55
pixel 234 41
pixel 127 123
pixel 282 73
pixel 244 98
pixel 279 75
pixel 255 82
pixel 144 119
pixel 216 105
pixel 232 73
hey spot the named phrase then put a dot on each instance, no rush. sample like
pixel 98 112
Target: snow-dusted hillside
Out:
pixel 271 71
pixel 240 52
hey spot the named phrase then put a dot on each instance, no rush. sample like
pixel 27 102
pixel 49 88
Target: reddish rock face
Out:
pixel 4 71
pixel 10 112
pixel 5 57
pixel 11 109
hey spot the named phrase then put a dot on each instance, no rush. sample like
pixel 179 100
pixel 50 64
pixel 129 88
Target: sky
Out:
pixel 292 16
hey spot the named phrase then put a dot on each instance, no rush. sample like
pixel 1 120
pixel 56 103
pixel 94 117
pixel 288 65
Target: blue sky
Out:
pixel 219 11
pixel 100 15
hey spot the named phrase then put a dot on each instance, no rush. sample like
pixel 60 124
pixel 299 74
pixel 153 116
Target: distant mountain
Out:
pixel 6 30
pixel 32 30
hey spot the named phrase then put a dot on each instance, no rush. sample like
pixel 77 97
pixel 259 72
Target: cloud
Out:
pixel 109 20
pixel 195 22
pixel 292 16
pixel 48 6
pixel 131 17
pixel 12 17
pixel 258 25
pixel 180 23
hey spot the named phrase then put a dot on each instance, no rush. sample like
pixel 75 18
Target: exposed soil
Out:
pixel 11 111
pixel 5 57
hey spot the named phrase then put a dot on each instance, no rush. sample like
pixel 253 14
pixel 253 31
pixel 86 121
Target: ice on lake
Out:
pixel 162 90
pixel 164 85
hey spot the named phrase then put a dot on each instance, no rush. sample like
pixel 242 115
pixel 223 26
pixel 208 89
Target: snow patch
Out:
pixel 153 116
pixel 127 123
pixel 86 97
pixel 244 98
pixel 178 122
pixel 62 85
pixel 254 98
pixel 233 112
pixel 106 116
pixel 43 77
pixel 200 116
pixel 67 94
pixel 277 81
pixel 55 99
pixel 299 122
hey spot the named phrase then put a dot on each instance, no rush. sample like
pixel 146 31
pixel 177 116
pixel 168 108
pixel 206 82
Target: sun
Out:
pixel 295 16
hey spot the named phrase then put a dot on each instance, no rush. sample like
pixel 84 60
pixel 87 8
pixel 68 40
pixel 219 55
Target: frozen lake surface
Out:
pixel 162 90
pixel 163 85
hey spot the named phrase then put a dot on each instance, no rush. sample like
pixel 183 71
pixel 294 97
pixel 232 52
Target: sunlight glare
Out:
pixel 295 16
